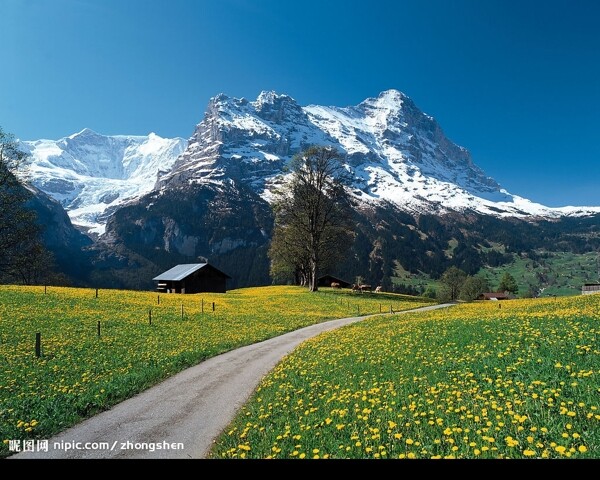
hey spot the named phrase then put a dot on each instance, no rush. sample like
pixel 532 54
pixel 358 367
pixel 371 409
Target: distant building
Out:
pixel 192 278
pixel 590 288
pixel 495 296
pixel 327 280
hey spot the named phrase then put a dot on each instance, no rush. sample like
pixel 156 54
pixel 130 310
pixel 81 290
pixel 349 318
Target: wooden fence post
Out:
pixel 38 345
pixel 158 299
pixel 150 316
pixel 182 311
pixel 98 328
pixel 96 293
pixel 202 311
pixel 213 306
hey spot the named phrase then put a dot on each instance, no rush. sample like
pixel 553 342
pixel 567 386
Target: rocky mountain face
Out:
pixel 224 223
pixel 66 243
pixel 395 153
pixel 423 203
pixel 418 192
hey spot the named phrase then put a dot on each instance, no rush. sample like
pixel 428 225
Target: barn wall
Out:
pixel 205 281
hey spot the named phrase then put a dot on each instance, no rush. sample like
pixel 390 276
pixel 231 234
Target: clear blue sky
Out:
pixel 517 82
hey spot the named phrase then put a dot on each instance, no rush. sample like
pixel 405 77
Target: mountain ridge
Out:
pixel 423 204
pixel 91 174
pixel 394 151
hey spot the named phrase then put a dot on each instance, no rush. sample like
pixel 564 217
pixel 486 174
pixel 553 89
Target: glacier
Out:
pixel 91 174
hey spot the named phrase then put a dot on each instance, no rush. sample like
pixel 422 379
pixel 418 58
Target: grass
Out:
pixel 416 280
pixel 520 380
pixel 80 374
pixel 561 273
pixel 554 273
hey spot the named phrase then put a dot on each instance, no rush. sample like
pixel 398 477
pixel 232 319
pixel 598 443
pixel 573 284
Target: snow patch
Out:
pixel 92 174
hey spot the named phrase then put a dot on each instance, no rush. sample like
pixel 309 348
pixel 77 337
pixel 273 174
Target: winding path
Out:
pixel 191 408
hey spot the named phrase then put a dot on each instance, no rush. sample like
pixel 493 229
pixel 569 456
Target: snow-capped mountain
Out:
pixel 395 152
pixel 424 205
pixel 92 174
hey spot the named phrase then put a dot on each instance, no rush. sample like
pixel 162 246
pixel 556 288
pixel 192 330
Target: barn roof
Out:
pixel 179 272
pixel 334 278
pixel 496 295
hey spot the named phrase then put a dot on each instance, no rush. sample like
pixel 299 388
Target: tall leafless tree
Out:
pixel 313 217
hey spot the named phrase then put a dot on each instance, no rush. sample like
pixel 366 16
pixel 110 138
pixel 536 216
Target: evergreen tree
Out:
pixel 508 284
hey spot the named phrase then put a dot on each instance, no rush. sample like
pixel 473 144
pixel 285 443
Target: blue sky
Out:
pixel 515 82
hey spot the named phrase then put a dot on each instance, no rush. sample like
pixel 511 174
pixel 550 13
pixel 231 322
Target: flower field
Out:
pixel 519 379
pixel 141 341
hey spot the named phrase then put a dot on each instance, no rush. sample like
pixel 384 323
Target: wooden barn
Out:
pixel 327 280
pixel 590 288
pixel 192 278
pixel 495 296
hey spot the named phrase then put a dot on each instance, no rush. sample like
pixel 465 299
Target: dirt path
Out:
pixel 191 408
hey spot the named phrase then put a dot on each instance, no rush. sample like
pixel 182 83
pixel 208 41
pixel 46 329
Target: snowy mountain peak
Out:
pixel 388 98
pixel 222 100
pixel 86 132
pixel 91 174
pixel 277 108
pixel 272 98
pixel 268 96
pixel 395 152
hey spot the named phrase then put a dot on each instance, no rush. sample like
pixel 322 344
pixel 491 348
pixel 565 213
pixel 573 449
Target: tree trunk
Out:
pixel 312 280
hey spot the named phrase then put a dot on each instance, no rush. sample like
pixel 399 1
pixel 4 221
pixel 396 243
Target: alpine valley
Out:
pixel 147 203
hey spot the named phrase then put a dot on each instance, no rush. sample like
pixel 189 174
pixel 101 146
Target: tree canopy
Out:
pixel 313 227
pixel 508 284
pixel 452 281
pixel 21 250
pixel 472 287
